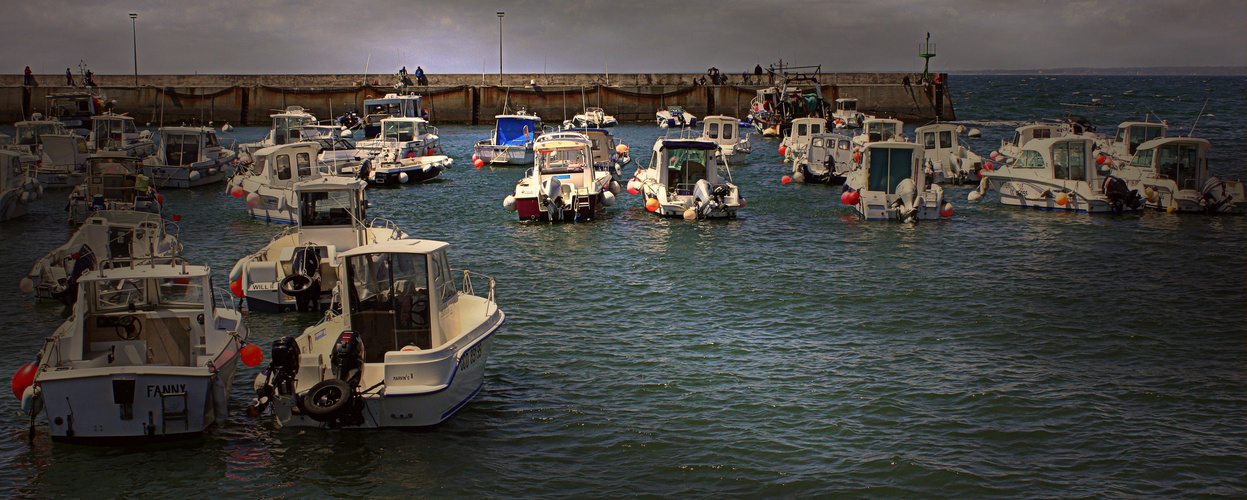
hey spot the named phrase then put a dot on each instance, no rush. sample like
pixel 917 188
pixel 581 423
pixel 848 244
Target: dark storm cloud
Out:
pixel 287 36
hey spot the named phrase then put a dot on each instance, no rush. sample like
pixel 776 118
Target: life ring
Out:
pixel 328 398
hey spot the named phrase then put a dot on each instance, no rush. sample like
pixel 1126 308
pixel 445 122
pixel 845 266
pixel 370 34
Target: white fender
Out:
pixel 403 178
pixel 798 176
pixel 977 194
pixel 27 285
pixel 193 176
pixel 254 199
pixel 608 198
pixel 508 203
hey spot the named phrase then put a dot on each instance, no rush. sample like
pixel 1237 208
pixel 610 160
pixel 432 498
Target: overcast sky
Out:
pixel 660 36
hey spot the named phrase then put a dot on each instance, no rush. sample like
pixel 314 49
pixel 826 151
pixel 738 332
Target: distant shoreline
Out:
pixel 1141 71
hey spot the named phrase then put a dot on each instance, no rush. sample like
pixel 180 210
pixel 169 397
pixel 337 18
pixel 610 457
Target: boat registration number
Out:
pixel 470 358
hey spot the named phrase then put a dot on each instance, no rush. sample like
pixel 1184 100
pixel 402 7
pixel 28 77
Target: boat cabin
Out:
pixel 400 295
pixel 182 146
pixel 115 177
pixel 288 125
pixel 721 129
pixel 566 156
pixel 830 148
pixel 890 162
pixel 682 162
pixel 326 206
pixel 1025 134
pixel 390 106
pixel 116 133
pixel 75 109
pixel 1063 159
pixel 144 315
pixel 802 129
pixel 1131 134
pixel 882 129
pixel 846 107
pixel 29 134
pixel 283 166
pixel 404 130
pixel 1183 160
pixel 12 172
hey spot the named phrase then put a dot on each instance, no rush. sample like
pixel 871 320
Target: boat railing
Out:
pixel 386 224
pixel 133 262
pixel 221 298
pixel 466 286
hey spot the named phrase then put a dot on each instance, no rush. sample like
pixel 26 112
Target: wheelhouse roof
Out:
pixel 280 147
pixel 937 127
pixel 398 246
pixel 687 144
pixel 893 145
pixel 1046 144
pixel 1158 142
pixel 187 130
pixel 142 271
pixel 333 182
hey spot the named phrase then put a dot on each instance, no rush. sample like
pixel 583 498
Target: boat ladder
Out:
pixel 173 413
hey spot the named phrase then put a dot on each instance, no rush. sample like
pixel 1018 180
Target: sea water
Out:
pixel 794 351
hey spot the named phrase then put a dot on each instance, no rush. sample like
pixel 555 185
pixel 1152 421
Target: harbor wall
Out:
pixel 465 99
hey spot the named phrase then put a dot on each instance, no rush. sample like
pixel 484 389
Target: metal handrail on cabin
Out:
pixel 466 286
pixel 383 223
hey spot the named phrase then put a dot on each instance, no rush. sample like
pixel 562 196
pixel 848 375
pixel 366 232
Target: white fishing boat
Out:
pixel 149 353
pixel 797 138
pixel 846 114
pixel 675 117
pixel 591 118
pixel 725 131
pixel 889 184
pixel 113 132
pixel 297 269
pixel 338 153
pixel 512 141
pixel 64 160
pixel 563 183
pixel 393 105
pixel 115 236
pixel 876 129
pixel 267 184
pixel 827 160
pixel 18 185
pixel 1172 174
pixel 407 151
pixel 403 348
pixel 287 129
pixel 188 157
pixel 682 180
pixel 28 134
pixel 75 109
pixel 114 181
pixel 1013 146
pixel 948 160
pixel 1130 135
pixel 1057 174
pixel 798 94
pixel 610 154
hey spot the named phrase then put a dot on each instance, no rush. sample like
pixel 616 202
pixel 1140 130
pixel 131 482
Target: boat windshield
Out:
pixel 562 160
pixel 1179 162
pixel 112 295
pixel 180 292
pixel 685 167
pixel 326 208
pixel 389 301
pixel 400 131
pixel 30 133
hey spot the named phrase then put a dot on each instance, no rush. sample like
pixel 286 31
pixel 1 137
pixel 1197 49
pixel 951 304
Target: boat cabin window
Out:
pixel 946 139
pixel 712 130
pixel 1069 161
pixel 816 128
pixel 847 105
pixel 1142 158
pixel 283 167
pixel 816 142
pixel 728 131
pixel 928 140
pixel 181 292
pixel 562 160
pixel 1030 159
pixel 118 294
pixel 258 167
pixel 442 279
pixel 685 168
pixel 181 149
pixel 885 130
pixel 399 131
pixel 1140 134
pixel 326 208
pixel 802 130
pixel 888 167
pixel 1179 162
pixel 389 300
pixel 844 145
pixel 303 162
pixel 210 141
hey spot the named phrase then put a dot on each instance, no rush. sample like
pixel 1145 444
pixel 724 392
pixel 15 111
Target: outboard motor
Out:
pixel 278 377
pixel 1213 196
pixel 550 191
pixel 906 200
pixel 304 283
pixel 347 358
pixel 1120 196
pixel 365 169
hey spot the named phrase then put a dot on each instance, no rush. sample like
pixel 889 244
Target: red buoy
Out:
pixel 251 355
pixel 25 377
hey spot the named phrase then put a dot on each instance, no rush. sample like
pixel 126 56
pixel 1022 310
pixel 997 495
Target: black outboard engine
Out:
pixel 285 365
pixel 347 359
pixel 1120 196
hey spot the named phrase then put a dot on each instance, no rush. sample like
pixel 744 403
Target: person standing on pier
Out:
pixel 69 78
pixel 29 79
pixel 420 79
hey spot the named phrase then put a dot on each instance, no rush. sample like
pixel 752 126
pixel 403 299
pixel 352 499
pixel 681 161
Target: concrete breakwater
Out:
pixel 465 99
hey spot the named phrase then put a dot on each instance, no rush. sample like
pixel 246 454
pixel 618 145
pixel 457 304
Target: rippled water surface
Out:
pixel 794 351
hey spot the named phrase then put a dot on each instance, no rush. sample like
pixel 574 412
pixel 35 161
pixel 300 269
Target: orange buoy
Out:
pixel 652 204
pixel 251 355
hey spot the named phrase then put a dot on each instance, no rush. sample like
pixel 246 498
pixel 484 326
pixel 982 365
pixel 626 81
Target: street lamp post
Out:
pixel 134 32
pixel 500 14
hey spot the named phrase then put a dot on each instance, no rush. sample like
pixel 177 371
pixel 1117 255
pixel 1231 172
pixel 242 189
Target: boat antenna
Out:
pixel 1191 133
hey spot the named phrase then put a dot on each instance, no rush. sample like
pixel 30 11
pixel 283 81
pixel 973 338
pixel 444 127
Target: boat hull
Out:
pixel 493 154
pixel 531 209
pixel 183 177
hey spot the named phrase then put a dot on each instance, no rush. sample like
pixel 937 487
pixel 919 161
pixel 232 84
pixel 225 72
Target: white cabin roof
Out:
pixel 332 182
pixel 397 246
pixel 142 271
pixel 1161 141
pixel 283 147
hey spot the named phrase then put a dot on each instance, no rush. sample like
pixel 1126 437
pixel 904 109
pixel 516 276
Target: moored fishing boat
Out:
pixel 393 105
pixel 592 117
pixel 1057 174
pixel 675 117
pixel 407 151
pixel 18 185
pixel 1172 174
pixel 562 184
pixel 948 160
pixel 267 184
pixel 114 181
pixel 114 236
pixel 297 269
pixel 188 157
pixel 149 353
pixel 826 161
pixel 682 180
pixel 725 131
pixel 797 138
pixel 512 141
pixel 403 347
pixel 287 128
pixel 889 184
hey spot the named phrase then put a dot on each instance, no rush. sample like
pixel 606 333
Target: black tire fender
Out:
pixel 327 399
